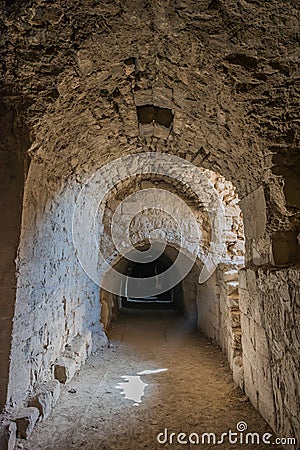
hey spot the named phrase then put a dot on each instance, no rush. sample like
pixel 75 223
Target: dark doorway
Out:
pixel 170 299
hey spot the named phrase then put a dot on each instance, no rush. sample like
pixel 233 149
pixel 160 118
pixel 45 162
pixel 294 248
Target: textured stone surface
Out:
pixel 271 345
pixel 73 357
pixel 8 432
pixel 64 370
pixel 72 77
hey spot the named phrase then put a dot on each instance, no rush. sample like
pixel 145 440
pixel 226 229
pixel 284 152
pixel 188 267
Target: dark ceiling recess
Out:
pixel 150 113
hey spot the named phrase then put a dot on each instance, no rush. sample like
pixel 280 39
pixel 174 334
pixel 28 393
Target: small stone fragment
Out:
pixel 8 432
pixel 64 370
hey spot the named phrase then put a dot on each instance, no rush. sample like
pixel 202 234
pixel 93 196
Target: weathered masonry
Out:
pixel 85 83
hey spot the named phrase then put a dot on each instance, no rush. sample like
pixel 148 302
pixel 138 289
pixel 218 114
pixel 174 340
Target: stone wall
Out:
pixel 269 307
pixel 56 301
pixel 269 302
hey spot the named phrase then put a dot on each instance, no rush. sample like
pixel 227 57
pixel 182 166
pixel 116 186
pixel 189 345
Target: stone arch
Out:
pixel 47 211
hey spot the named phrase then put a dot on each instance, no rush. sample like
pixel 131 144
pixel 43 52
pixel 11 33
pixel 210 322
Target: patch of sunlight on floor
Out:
pixel 133 388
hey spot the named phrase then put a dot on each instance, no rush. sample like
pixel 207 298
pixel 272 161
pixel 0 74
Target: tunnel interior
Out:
pixel 84 87
pixel 166 298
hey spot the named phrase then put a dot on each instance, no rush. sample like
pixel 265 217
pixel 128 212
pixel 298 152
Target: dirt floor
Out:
pixel 195 394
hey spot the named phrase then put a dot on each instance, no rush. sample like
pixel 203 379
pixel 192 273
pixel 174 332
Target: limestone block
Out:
pixel 238 371
pixel 266 405
pixel 248 347
pixel 260 251
pixel 237 339
pixel 215 307
pixel 143 97
pixel 239 247
pixel 228 223
pixel 53 387
pixel 87 336
pixel 25 419
pixel 250 300
pixel 243 279
pixel 232 301
pixel 255 224
pixel 238 260
pixel 8 432
pixel 161 131
pixel 214 320
pixel 250 383
pixel 261 341
pixel 146 129
pixel 232 211
pixel 79 313
pixel 64 369
pixel 285 248
pixel 78 349
pixel 42 401
pixel 230 275
pixel 235 319
pixel 230 236
pixel 232 287
pixel 162 97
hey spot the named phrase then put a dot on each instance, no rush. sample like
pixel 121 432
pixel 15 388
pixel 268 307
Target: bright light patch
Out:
pixel 150 372
pixel 133 388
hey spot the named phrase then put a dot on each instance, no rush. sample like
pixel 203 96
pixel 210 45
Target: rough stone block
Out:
pixel 232 211
pixel 235 320
pixel 243 278
pixel 53 387
pixel 43 402
pixel 230 275
pixel 64 370
pixel 232 287
pixel 25 419
pixel 261 341
pixel 161 131
pixel 230 236
pixel 46 398
pixel 250 383
pixel 260 250
pixel 248 347
pixel 8 433
pixel 80 313
pixel 266 405
pixel 78 349
pixel 237 339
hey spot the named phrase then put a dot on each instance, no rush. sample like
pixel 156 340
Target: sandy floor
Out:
pixel 195 395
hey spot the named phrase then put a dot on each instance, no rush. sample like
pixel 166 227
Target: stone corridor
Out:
pixel 149 152
pixel 195 394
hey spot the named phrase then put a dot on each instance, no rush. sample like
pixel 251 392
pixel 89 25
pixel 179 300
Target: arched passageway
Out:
pixel 194 100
